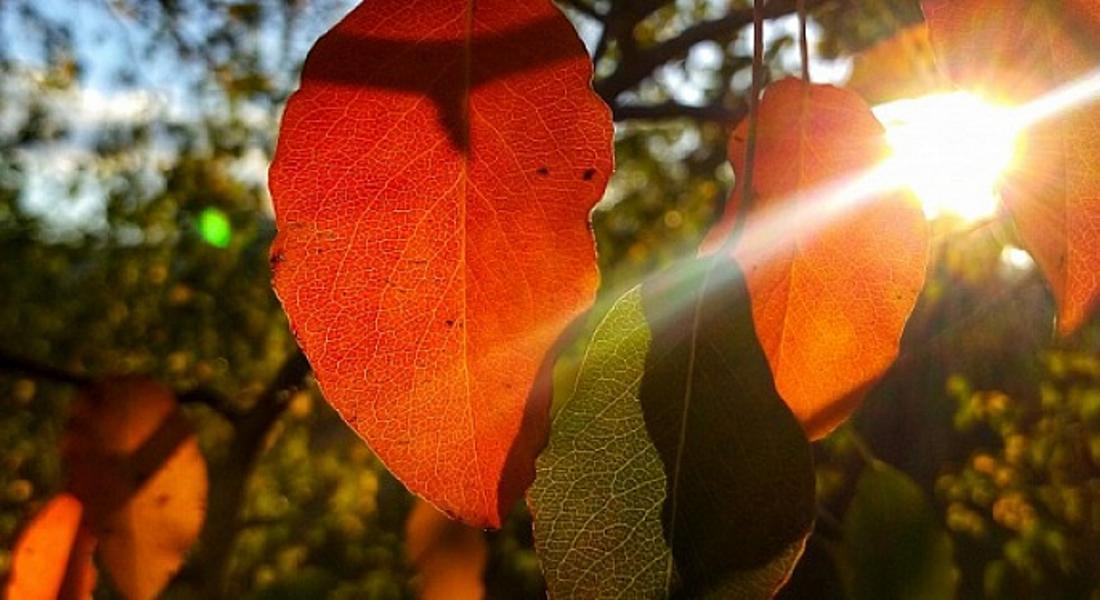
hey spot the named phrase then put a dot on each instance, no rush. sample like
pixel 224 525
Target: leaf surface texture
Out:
pixel 674 467
pixel 834 263
pixel 432 185
pixel 1014 51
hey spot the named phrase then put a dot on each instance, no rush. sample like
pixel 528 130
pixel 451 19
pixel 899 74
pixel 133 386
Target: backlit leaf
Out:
pixel 893 544
pixel 53 556
pixel 834 262
pixel 449 556
pixel 720 502
pixel 902 66
pixel 1014 51
pixel 600 487
pixel 134 462
pixel 432 185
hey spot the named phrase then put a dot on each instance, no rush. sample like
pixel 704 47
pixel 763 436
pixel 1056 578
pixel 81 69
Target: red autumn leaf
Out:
pixel 450 557
pixel 901 66
pixel 1015 51
pixel 134 462
pixel 53 556
pixel 432 185
pixel 832 277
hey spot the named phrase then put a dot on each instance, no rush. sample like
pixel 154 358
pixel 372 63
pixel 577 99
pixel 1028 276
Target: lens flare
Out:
pixel 950 150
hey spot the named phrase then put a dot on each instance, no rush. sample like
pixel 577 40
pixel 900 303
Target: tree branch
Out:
pixel 219 533
pixel 645 61
pixel 32 368
pixel 211 399
pixel 675 110
pixel 584 8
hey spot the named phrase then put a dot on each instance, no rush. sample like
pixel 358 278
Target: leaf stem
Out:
pixel 863 448
pixel 803 40
pixel 746 181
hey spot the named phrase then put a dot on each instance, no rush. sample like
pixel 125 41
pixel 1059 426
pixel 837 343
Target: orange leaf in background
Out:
pixel 831 288
pixel 135 463
pixel 899 67
pixel 432 185
pixel 1014 51
pixel 53 556
pixel 449 556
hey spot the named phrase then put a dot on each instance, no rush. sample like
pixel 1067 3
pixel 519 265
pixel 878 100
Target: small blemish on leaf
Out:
pixel 277 258
pixel 161 499
pixel 589 174
pixel 450 322
pixel 544 171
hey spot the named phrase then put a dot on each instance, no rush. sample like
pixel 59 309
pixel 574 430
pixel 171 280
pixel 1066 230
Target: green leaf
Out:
pixel 740 472
pixel 599 486
pixel 743 472
pixel 893 545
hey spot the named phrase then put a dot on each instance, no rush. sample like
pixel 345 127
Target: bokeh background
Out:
pixel 134 227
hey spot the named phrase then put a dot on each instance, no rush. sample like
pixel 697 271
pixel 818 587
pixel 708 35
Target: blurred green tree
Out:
pixel 134 226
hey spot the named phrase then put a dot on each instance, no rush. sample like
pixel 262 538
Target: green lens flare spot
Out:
pixel 214 228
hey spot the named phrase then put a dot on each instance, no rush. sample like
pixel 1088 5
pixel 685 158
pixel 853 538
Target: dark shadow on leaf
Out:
pixel 534 431
pixel 740 472
pixel 436 69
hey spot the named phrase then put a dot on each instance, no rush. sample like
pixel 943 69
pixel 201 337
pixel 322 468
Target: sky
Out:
pixel 107 41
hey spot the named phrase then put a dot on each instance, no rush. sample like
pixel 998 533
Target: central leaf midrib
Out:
pixel 467 85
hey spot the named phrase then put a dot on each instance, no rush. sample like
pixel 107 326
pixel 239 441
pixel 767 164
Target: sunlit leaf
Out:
pixel 53 556
pixel 720 501
pixel 432 185
pixel 902 66
pixel 833 255
pixel 135 464
pixel 1016 51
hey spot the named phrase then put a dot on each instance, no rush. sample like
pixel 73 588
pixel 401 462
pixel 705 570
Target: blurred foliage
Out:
pixel 134 227
pixel 1029 495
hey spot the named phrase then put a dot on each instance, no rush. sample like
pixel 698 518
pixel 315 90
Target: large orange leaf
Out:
pixel 432 185
pixel 833 273
pixel 1015 51
pixel 53 556
pixel 134 462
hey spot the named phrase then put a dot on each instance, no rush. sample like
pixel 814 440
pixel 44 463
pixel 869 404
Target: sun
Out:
pixel 951 150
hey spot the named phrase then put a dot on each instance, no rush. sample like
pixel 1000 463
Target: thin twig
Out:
pixel 745 181
pixel 26 366
pixel 211 399
pixel 863 449
pixel 676 110
pixel 584 8
pixel 803 40
pixel 644 62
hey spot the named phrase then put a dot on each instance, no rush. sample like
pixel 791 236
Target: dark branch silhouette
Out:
pixel 31 368
pixel 435 69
